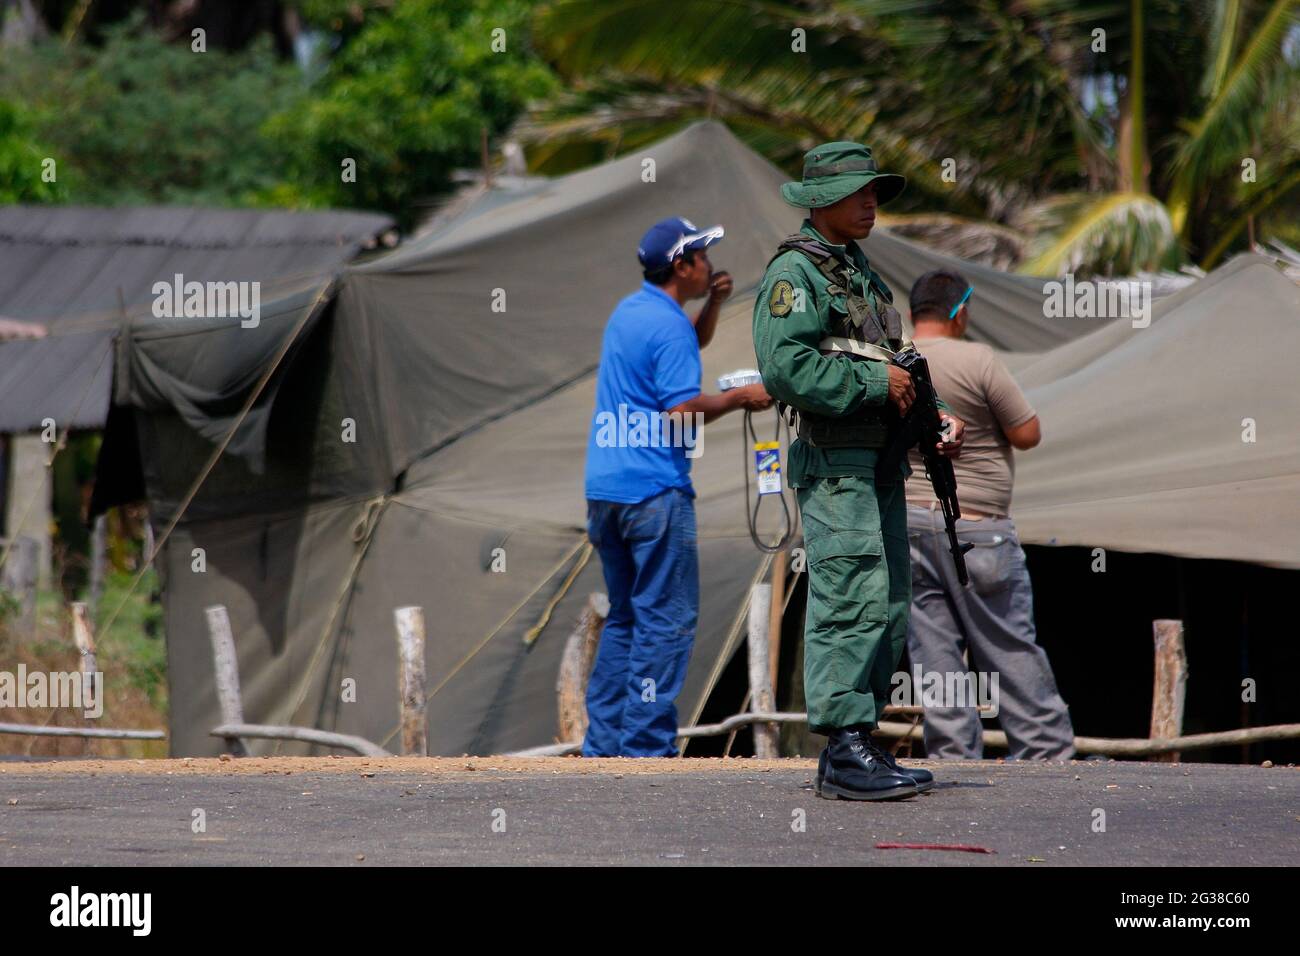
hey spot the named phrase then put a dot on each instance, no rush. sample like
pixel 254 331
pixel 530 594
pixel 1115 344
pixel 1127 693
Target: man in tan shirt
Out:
pixel 991 620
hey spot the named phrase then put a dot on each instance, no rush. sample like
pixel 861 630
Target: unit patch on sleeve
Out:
pixel 781 300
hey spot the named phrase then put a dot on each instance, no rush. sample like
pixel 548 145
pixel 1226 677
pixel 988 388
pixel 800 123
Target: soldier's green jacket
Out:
pixel 794 369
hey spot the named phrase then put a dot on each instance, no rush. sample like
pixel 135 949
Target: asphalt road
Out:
pixel 1028 814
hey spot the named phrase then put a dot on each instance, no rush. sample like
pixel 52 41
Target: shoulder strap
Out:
pixel 878 284
pixel 827 263
pixel 839 343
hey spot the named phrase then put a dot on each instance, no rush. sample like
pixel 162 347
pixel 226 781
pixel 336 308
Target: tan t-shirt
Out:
pixel 980 391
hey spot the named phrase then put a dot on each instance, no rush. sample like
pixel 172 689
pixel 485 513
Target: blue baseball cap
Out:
pixel 666 240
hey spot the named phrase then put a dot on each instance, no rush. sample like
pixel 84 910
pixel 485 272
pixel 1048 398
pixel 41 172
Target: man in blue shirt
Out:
pixel 640 503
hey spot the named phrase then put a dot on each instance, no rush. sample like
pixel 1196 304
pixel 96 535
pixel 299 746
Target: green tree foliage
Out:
pixel 22 160
pixel 138 120
pixel 405 90
pixel 407 97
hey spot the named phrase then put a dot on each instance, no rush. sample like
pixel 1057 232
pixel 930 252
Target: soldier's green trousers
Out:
pixel 859 593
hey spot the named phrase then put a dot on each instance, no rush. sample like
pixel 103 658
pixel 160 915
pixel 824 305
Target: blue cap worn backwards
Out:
pixel 668 239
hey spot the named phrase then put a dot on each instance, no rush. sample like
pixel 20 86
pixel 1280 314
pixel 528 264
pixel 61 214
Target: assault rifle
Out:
pixel 922 427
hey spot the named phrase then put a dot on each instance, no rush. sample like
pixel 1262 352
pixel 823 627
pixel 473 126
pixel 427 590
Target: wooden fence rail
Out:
pixel 108 733
pixel 1109 746
pixel 325 738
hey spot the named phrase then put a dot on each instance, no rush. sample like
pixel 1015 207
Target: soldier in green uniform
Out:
pixel 824 331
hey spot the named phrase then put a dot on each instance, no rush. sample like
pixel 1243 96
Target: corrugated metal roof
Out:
pixel 66 378
pixel 71 268
pixel 60 260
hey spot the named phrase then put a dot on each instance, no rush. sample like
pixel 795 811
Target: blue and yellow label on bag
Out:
pixel 767 467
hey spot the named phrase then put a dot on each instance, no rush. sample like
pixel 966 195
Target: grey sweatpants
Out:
pixel 993 620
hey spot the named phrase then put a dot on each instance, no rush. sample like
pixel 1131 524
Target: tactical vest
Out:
pixel 869 329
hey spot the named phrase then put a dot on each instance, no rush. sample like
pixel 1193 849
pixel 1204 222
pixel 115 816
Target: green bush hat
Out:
pixel 832 171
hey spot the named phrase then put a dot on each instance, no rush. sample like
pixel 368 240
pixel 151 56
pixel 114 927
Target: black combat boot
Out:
pixel 923 779
pixel 854 772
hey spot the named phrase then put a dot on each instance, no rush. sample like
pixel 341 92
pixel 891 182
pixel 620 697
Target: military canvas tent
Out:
pixel 430 418
pixel 1182 437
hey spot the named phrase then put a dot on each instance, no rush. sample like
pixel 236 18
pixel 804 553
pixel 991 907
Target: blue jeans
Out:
pixel 652 574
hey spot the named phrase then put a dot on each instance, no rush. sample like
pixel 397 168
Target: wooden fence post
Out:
pixel 760 674
pixel 227 673
pixel 85 638
pixel 575 669
pixel 410 678
pixel 1170 687
pixel 779 563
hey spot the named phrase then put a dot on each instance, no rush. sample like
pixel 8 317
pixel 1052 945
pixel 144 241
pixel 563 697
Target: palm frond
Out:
pixel 1116 233
pixel 1223 40
pixel 1222 135
pixel 1270 196
pixel 945 78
